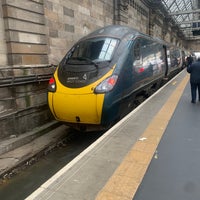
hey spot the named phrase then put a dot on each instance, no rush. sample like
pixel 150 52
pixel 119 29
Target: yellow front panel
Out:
pixel 87 107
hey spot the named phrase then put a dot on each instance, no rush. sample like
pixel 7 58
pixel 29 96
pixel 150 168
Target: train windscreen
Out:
pixel 95 49
pixel 86 61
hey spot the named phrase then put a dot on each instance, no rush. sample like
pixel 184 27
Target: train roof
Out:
pixel 120 31
pixel 117 31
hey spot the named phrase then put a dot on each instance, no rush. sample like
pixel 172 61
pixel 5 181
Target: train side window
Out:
pixel 136 51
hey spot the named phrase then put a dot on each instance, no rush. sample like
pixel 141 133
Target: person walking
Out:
pixel 194 70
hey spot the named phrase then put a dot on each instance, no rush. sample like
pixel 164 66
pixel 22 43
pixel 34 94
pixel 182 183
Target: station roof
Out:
pixel 184 15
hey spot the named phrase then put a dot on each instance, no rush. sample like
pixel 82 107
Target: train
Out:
pixel 98 80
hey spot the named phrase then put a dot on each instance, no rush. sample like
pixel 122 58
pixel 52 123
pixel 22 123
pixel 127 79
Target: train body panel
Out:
pixel 97 81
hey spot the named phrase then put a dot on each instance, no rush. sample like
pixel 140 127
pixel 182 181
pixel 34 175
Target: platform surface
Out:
pixel 141 155
pixel 175 173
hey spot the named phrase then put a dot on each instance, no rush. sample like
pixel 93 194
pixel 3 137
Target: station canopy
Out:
pixel 184 15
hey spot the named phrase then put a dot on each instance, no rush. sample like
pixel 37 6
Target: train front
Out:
pixel 77 89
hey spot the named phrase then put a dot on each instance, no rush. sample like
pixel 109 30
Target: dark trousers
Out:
pixel 194 87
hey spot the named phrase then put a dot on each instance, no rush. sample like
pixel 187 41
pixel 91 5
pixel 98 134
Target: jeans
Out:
pixel 194 87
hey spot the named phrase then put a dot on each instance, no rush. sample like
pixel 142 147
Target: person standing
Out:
pixel 194 70
pixel 189 60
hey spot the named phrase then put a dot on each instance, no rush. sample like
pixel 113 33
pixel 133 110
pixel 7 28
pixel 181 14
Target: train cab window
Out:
pixel 95 49
pixel 107 49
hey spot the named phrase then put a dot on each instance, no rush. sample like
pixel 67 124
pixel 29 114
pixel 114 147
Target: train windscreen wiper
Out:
pixel 88 60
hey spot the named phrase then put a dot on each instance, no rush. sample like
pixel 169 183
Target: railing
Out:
pixel 14 76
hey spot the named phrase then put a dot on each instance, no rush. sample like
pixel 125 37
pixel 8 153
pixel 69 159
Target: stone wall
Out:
pixel 23 98
pixel 67 21
pixel 3 50
pixel 134 14
pixel 195 45
pixel 25 32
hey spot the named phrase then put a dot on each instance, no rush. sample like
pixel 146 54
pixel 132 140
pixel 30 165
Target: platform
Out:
pixel 153 153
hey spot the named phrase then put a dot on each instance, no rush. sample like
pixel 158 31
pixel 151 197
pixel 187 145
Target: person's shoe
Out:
pixel 193 101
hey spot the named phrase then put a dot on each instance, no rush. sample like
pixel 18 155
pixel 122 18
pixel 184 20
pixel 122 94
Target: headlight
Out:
pixel 52 85
pixel 106 85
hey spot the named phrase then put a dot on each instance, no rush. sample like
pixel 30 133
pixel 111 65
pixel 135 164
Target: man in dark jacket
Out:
pixel 194 70
pixel 189 60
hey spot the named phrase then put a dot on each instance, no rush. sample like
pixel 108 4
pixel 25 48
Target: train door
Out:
pixel 183 59
pixel 137 64
pixel 143 61
pixel 173 58
pixel 165 60
pixel 149 62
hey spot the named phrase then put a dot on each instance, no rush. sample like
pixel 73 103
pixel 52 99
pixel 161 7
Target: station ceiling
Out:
pixel 184 15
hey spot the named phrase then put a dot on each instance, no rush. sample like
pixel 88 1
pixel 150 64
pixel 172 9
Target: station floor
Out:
pixel 151 154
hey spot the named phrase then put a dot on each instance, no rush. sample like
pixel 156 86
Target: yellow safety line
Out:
pixel 125 181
